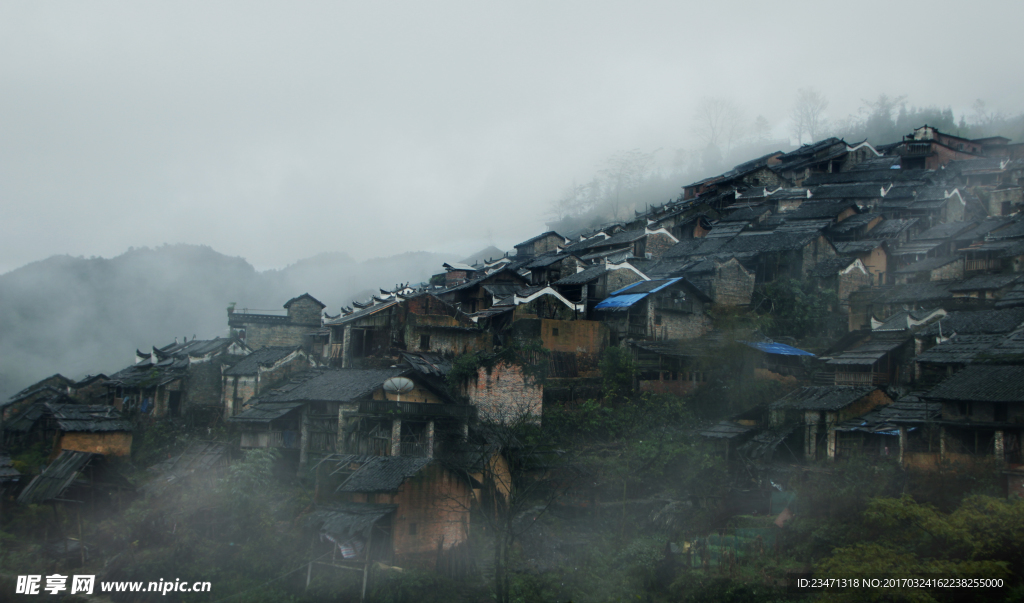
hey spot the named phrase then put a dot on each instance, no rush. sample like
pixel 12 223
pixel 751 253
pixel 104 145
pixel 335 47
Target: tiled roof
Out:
pixel 831 266
pixel 348 520
pixel 906 411
pixel 726 430
pixel 539 237
pixel 982 383
pixel 892 228
pixel 866 353
pixel 914 293
pixel 929 264
pixel 986 282
pixel 56 478
pixel 263 356
pixel 86 417
pixel 428 363
pixel 977 323
pixel 265 412
pixel 590 274
pixel 378 473
pixel 305 296
pixel 823 397
pixel 945 231
pixel 363 313
pixel 960 349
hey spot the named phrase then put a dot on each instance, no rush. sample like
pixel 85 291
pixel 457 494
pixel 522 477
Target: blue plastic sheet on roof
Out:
pixel 620 302
pixel 777 348
pixel 667 282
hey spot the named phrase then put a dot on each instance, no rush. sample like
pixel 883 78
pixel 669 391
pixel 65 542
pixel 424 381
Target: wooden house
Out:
pixel 177 379
pixel 421 322
pixel 819 409
pixel 71 425
pixel 324 411
pixel 656 310
pixel 414 510
pixel 256 372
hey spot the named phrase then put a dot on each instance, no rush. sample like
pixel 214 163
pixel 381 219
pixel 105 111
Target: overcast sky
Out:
pixel 276 131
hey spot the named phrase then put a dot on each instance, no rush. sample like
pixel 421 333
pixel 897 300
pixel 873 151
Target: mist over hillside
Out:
pixel 80 315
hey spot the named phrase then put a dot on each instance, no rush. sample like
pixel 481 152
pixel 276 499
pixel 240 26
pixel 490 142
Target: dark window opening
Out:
pixel 554 332
pixel 412 529
pixel 424 342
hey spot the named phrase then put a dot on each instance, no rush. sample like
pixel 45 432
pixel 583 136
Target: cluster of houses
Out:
pixel 922 242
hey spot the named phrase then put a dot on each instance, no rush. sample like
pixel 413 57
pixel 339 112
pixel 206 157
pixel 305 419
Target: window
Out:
pixel 554 331
pixel 424 342
pixel 412 529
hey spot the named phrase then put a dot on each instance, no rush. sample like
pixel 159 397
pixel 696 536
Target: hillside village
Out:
pixel 855 303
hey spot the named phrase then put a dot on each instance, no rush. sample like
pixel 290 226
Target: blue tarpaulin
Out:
pixel 777 348
pixel 620 302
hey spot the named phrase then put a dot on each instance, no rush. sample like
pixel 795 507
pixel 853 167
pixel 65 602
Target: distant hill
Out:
pixel 77 315
pixel 489 253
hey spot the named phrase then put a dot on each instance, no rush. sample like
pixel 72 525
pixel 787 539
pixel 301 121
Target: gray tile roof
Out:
pixel 831 266
pixel 977 323
pixel 914 293
pixel 348 520
pixel 330 385
pixel 265 412
pixel 907 411
pixel 960 349
pixel 87 417
pixel 57 477
pixel 866 353
pixel 377 473
pixel 986 282
pixel 823 397
pixel 982 383
pixel 929 264
pixel 892 228
pixel 268 356
pixel 590 274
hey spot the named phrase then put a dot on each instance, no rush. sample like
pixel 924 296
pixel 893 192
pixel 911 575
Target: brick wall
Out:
pixel 259 335
pixel 237 391
pixel 504 393
pixel 658 243
pixel 204 384
pixel 305 312
pixel 433 508
pixel 850 280
pixel 733 284
pixel 615 280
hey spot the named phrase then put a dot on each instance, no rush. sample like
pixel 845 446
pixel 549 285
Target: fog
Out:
pixel 275 132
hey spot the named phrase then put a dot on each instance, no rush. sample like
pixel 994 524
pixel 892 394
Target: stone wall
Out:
pixel 658 243
pixel 849 280
pixel 260 335
pixel 733 284
pixel 305 311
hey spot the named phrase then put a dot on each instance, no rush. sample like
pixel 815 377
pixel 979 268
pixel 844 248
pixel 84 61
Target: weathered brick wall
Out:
pixel 305 312
pixel 763 177
pixel 615 280
pixel 952 271
pixel 850 280
pixel 237 391
pixel 548 243
pixel 204 384
pixel 658 243
pixel 504 393
pixel 109 443
pixel 816 251
pixel 678 325
pixel 259 335
pixel 455 277
pixel 733 284
pixel 569 266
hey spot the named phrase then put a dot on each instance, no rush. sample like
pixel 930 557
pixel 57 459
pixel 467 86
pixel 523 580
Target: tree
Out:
pixel 504 453
pixel 718 123
pixel 760 130
pixel 624 174
pixel 808 114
